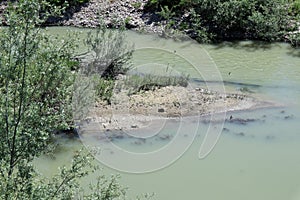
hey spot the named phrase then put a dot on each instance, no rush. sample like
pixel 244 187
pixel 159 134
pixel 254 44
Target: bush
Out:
pixel 230 19
pixel 139 83
pixel 108 53
pixel 36 85
pixel 69 3
pixel 104 88
pixel 156 4
pixel 295 7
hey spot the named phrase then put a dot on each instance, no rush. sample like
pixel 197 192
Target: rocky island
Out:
pixel 134 111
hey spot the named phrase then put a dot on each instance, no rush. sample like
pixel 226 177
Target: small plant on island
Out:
pixel 149 82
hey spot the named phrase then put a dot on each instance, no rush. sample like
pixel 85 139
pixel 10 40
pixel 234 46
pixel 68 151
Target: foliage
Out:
pixel 294 7
pixel 294 39
pixel 35 97
pixel 106 189
pixel 136 5
pixel 230 19
pixel 156 4
pixel 140 83
pixel 35 93
pixel 166 13
pixel 104 88
pixel 108 56
pixel 65 185
pixel 68 3
pixel 108 53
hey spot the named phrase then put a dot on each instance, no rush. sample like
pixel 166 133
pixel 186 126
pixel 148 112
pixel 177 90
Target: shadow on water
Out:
pixel 244 85
pixel 295 52
pixel 226 83
pixel 250 46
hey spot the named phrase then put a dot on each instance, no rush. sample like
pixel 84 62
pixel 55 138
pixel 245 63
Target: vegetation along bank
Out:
pixel 203 20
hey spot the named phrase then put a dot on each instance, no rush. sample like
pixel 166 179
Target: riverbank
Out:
pixel 135 15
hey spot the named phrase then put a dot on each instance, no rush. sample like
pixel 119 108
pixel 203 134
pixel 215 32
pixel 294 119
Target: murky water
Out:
pixel 255 160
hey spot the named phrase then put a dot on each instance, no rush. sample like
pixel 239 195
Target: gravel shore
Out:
pixel 128 112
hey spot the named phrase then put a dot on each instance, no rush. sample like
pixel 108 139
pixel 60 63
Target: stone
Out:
pixel 161 110
pixel 241 134
pixel 225 129
pixel 289 117
pixel 134 126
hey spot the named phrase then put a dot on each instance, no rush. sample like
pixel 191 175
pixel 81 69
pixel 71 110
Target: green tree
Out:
pixel 108 55
pixel 232 19
pixel 36 84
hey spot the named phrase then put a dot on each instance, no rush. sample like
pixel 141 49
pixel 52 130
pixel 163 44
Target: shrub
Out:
pixel 230 19
pixel 35 99
pixel 139 83
pixel 104 88
pixel 69 3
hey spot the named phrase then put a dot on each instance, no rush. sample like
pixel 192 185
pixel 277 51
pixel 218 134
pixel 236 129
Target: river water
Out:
pixel 257 159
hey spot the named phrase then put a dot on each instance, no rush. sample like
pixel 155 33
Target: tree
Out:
pixel 36 84
pixel 231 19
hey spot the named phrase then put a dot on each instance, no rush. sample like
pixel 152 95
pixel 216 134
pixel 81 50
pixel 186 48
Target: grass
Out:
pixel 104 88
pixel 135 83
pixel 140 83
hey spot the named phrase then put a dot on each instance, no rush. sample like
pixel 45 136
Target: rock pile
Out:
pixel 113 13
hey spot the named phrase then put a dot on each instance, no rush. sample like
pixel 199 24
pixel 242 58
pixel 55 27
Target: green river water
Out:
pixel 259 160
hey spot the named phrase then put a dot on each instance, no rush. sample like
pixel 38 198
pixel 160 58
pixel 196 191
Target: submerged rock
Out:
pixel 161 110
pixel 289 117
pixel 225 129
pixel 241 134
pixel 270 137
pixel 134 126
pixel 241 121
pixel 137 142
pixel 165 137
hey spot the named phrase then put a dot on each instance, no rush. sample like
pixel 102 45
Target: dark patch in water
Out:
pixel 70 133
pixel 143 140
pixel 240 121
pixel 137 142
pixel 110 136
pixel 205 121
pixel 119 136
pixel 245 90
pixel 289 117
pixel 241 134
pixel 225 129
pixel 270 137
pixel 165 137
pixel 227 83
